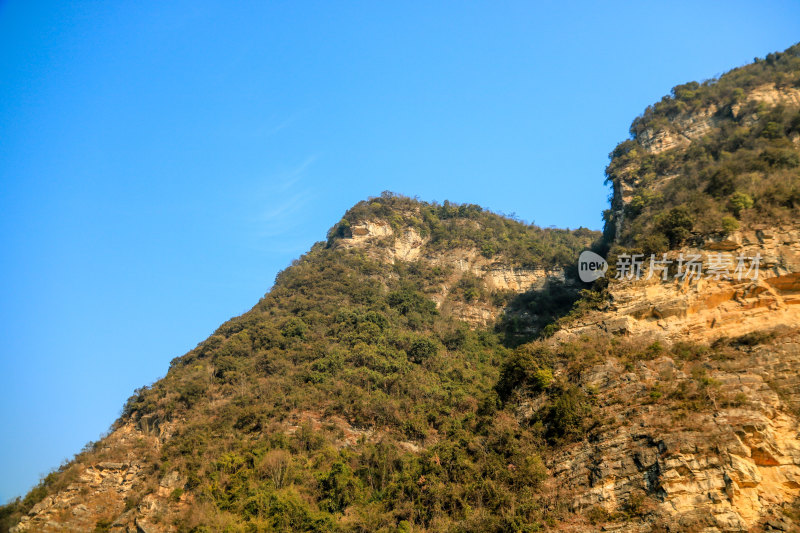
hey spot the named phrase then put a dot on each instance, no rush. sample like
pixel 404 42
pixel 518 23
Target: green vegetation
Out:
pixel 746 167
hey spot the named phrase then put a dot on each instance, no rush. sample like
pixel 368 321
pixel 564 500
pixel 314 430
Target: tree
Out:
pixel 338 488
pixel 422 349
pixel 738 202
pixel 729 225
pixel 677 225
pixel 275 465
pixel 721 183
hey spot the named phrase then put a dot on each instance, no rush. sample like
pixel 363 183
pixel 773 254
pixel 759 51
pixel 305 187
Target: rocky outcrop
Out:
pixel 692 126
pixel 112 495
pixel 725 468
pixel 727 458
pixel 681 132
pixel 378 239
pixel 707 308
pixel 773 95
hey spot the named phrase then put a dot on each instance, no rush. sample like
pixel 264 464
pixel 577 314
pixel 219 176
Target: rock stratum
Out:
pixel 440 368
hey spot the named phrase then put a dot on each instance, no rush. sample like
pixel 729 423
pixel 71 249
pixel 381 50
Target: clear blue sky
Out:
pixel 161 161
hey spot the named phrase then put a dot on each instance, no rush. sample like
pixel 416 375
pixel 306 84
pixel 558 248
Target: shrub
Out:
pixel 408 300
pixel 568 415
pixel 677 225
pixel 729 224
pixel 598 515
pixel 422 349
pixel 653 243
pixel 721 184
pixel 638 504
pixel 338 488
pixel 542 379
pixel 191 391
pixel 780 158
pixel 523 370
pixel 738 202
pixel 772 130
pixel 294 327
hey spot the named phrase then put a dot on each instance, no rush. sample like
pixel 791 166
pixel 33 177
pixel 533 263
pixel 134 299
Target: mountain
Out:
pixel 367 370
pixel 441 368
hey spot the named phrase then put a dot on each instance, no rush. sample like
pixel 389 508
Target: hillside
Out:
pixel 355 395
pixel 440 368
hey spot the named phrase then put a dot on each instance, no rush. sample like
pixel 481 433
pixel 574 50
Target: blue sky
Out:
pixel 161 161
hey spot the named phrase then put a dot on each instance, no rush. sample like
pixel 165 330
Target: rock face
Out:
pixel 378 239
pixel 682 132
pixel 725 468
pixel 692 126
pixel 98 495
pixel 706 309
pixel 733 465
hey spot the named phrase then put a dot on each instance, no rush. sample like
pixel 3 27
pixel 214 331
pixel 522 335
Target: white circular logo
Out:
pixel 591 266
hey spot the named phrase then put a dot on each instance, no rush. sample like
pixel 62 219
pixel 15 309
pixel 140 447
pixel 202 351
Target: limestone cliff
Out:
pixel 730 461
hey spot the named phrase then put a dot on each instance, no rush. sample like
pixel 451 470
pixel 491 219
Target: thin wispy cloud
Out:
pixel 283 125
pixel 268 131
pixel 286 207
pixel 282 200
pixel 292 177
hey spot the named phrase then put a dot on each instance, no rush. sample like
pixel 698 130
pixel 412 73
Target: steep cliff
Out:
pixel 701 404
